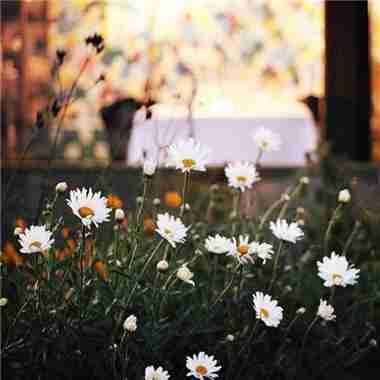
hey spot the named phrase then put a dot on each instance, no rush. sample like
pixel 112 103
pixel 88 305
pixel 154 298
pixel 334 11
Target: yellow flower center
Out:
pixel 84 212
pixel 35 244
pixel 243 249
pixel 167 231
pixel 201 370
pixel 336 278
pixel 241 178
pixel 188 163
pixel 264 313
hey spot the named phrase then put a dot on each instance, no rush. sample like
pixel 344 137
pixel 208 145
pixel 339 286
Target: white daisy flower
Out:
pixel 202 366
pixel 266 140
pixel 185 275
pixel 267 309
pixel 242 249
pixel 188 155
pixel 35 239
pixel 156 374
pixel 89 207
pixel 336 271
pixel 326 311
pixel 217 244
pixel 264 251
pixel 241 175
pixel 284 231
pixel 171 229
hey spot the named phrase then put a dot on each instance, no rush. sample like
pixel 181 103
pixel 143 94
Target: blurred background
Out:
pixel 212 68
pixel 240 64
pixel 90 88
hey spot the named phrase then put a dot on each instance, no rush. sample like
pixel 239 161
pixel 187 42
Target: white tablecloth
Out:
pixel 228 139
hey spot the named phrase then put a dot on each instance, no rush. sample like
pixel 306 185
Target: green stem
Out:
pixel 225 290
pixel 143 272
pixel 186 181
pixel 141 208
pixel 275 265
pixel 330 227
pixel 304 341
pixel 269 212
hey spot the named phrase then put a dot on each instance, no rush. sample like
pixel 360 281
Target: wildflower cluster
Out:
pixel 159 281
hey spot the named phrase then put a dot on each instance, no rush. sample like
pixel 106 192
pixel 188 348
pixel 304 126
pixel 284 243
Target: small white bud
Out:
pixel 149 167
pixel 119 215
pixel 301 310
pixel 305 180
pixel 344 196
pixel 61 187
pixel 373 343
pixel 230 338
pixel 18 231
pixel 185 275
pixel 3 301
pixel 130 324
pixel 301 222
pixel 156 201
pixel 162 265
pixel 139 199
pixel 285 197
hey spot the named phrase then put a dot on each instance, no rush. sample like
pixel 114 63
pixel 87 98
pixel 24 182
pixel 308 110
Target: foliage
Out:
pixel 65 321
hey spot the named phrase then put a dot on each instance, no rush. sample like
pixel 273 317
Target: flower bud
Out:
pixel 3 301
pixel 301 310
pixel 61 187
pixel 373 343
pixel 344 196
pixel 162 265
pixel 149 167
pixel 285 197
pixel 156 201
pixel 305 180
pixel 119 215
pixel 230 338
pixel 130 324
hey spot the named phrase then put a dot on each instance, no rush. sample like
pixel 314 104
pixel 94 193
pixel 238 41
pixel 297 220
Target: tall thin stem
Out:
pixel 225 290
pixel 82 252
pixel 332 221
pixel 143 272
pixel 304 341
pixel 186 180
pixel 141 208
pixel 275 265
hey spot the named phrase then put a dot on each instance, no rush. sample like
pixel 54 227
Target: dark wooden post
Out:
pixel 347 74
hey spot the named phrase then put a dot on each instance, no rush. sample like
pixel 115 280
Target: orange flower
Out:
pixel 20 222
pixel 149 226
pixel 114 201
pixel 71 244
pixel 10 255
pixel 62 254
pixel 173 199
pixel 66 232
pixel 100 267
